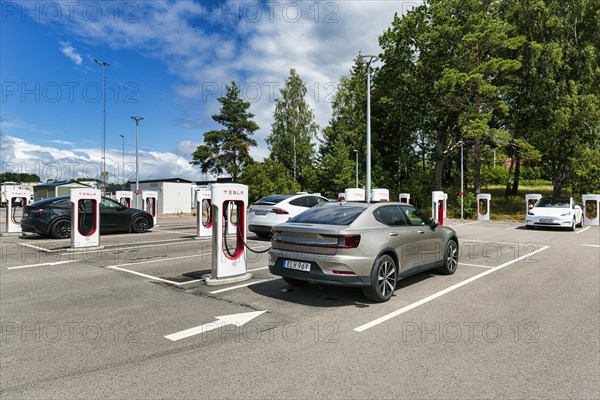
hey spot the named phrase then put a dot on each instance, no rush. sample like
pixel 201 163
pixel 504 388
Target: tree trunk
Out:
pixel 515 187
pixel 439 161
pixel 507 192
pixel 476 165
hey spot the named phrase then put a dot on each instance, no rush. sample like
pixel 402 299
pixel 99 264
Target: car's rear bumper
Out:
pixel 260 228
pixel 321 271
pixel 39 227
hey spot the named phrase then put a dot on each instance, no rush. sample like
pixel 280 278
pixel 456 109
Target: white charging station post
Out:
pixel 150 204
pixel 354 194
pixel 530 200
pixel 228 256
pixel 85 219
pixel 445 205
pixel 438 205
pixel 483 206
pixel 204 226
pixel 404 198
pixel 591 208
pixel 379 195
pixel 124 197
pixel 15 198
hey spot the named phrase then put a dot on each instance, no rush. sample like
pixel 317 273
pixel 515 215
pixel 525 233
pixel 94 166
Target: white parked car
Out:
pixel 555 212
pixel 277 209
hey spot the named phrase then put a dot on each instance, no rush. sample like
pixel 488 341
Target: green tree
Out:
pixel 19 177
pixel 293 129
pixel 557 99
pixel 337 170
pixel 227 150
pixel 267 178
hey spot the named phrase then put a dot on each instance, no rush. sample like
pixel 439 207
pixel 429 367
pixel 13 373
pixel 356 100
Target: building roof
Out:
pixel 60 183
pixel 175 180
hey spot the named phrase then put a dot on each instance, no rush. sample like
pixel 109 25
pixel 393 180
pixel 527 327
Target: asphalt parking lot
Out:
pixel 519 319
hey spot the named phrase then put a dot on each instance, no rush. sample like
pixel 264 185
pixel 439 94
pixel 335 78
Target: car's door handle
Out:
pixel 393 233
pixel 420 232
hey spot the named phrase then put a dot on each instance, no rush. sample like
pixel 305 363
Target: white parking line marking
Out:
pixel 179 233
pixel 468 223
pixel 584 229
pixel 493 241
pixel 591 245
pixel 512 227
pixel 43 264
pixel 238 286
pixel 442 292
pixel 41 248
pixel 154 278
pixel 476 265
pixel 158 260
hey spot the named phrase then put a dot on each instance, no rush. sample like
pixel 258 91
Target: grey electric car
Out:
pixel 361 245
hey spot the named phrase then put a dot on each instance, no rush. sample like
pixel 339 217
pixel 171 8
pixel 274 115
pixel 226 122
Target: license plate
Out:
pixel 297 265
pixel 546 221
pixel 260 212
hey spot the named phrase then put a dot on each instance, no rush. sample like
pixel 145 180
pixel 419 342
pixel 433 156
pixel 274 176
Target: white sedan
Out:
pixel 555 212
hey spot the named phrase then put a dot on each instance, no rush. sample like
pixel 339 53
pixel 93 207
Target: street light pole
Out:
pixel 370 59
pixel 137 162
pixel 462 182
pixel 123 158
pixel 103 165
pixel 356 154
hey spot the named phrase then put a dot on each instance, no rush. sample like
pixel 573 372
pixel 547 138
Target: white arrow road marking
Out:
pixel 233 319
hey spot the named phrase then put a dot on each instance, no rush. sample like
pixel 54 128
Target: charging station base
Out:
pixel 14 234
pixel 230 279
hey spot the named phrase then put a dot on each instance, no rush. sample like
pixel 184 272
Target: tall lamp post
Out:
pixel 462 182
pixel 356 154
pixel 137 162
pixel 103 65
pixel 370 59
pixel 123 158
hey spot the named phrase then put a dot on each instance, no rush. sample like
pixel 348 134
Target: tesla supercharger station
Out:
pixel 483 206
pixel 438 205
pixel 124 197
pixel 85 218
pixel 380 195
pixel 445 205
pixel 404 198
pixel 15 198
pixel 203 205
pixel 228 254
pixel 591 205
pixel 354 194
pixel 530 200
pixel 150 204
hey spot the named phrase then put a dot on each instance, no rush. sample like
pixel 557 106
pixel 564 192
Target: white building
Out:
pixel 174 194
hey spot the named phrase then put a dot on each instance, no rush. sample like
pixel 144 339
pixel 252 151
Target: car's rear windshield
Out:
pixel 554 202
pixel 336 215
pixel 273 199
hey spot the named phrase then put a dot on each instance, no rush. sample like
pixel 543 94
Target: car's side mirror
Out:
pixel 434 223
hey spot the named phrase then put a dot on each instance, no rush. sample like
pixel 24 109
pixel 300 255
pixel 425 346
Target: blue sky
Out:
pixel 169 61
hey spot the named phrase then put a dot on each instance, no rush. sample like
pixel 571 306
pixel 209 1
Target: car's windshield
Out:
pixel 336 215
pixel 554 202
pixel 273 199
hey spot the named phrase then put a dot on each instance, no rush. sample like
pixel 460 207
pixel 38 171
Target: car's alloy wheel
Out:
pixel 383 279
pixel 450 258
pixel 572 228
pixel 140 225
pixel 61 229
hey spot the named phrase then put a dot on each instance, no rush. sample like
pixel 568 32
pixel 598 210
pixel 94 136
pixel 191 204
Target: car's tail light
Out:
pixel 343 241
pixel 39 212
pixel 279 211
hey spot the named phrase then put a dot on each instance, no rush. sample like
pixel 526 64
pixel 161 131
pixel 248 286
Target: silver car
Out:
pixel 361 245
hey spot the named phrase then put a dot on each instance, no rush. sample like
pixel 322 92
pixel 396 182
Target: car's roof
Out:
pixel 53 199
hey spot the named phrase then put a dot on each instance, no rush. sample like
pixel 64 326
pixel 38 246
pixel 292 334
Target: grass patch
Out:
pixel 510 208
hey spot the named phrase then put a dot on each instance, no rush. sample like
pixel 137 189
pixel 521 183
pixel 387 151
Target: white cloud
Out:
pixel 70 52
pixel 58 141
pixel 48 162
